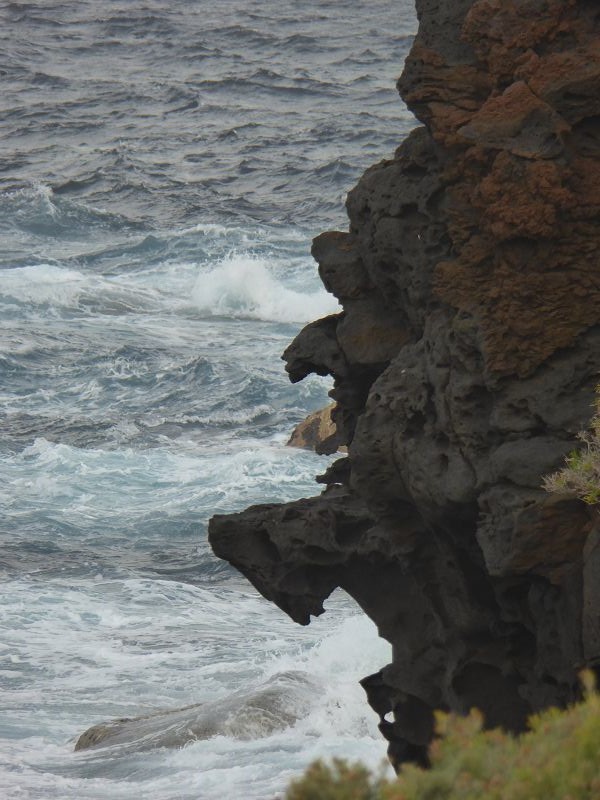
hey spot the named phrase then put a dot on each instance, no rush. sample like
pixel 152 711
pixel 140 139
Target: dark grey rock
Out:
pixel 436 522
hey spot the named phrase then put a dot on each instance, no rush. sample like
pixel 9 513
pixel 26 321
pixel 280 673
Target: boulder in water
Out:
pixel 246 714
pixel 317 432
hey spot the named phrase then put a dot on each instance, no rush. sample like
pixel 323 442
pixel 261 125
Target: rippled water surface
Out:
pixel 163 168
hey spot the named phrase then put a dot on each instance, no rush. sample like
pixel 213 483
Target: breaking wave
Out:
pixel 244 286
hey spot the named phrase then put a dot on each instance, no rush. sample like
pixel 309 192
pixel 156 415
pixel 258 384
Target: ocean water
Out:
pixel 163 168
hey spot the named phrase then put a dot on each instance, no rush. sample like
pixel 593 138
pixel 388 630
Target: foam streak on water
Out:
pixel 163 167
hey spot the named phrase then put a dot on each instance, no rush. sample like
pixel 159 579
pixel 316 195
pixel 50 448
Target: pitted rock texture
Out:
pixel 465 361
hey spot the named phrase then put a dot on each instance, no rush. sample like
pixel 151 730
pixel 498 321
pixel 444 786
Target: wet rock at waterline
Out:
pixel 465 362
pixel 274 706
pixel 317 432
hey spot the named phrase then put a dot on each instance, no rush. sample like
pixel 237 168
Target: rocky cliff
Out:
pixel 465 361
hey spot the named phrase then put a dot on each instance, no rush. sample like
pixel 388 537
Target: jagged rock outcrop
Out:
pixel 465 361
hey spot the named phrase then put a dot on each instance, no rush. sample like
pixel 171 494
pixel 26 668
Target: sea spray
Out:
pixel 243 286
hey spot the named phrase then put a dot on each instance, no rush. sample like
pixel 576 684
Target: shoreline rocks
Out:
pixel 464 362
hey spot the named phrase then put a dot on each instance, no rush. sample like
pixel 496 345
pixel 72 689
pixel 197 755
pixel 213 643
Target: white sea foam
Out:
pixel 81 488
pixel 246 235
pixel 239 285
pixel 104 649
pixel 43 283
pixel 242 285
pixel 63 287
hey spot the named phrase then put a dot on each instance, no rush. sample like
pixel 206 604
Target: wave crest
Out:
pixel 242 285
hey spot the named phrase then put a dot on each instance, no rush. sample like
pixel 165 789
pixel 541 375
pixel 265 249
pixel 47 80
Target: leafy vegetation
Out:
pixel 581 473
pixel 557 759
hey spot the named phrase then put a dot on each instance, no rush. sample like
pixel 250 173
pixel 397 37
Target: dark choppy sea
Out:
pixel 163 168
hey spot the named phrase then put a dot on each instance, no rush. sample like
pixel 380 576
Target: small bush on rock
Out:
pixel 557 759
pixel 581 473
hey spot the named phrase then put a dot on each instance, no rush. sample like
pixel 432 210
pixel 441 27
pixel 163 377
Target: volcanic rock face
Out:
pixel 465 362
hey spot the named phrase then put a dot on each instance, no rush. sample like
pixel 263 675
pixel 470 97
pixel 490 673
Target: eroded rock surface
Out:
pixel 465 361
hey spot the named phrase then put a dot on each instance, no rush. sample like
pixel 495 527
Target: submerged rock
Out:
pixel 274 706
pixel 464 361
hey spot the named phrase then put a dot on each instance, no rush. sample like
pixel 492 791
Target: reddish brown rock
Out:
pixel 518 122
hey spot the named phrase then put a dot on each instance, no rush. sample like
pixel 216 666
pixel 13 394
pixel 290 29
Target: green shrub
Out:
pixel 340 781
pixel 581 473
pixel 557 759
